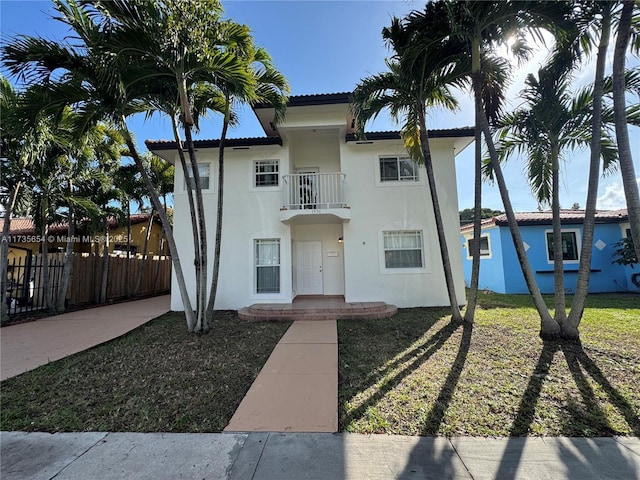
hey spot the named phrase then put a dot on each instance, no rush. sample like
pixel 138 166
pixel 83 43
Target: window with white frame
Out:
pixel 403 249
pixel 266 173
pixel 569 246
pixel 267 264
pixel 203 170
pixel 485 249
pixel 398 169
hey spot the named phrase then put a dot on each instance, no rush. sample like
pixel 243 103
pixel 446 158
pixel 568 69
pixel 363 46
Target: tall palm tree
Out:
pixel 97 81
pixel 484 25
pixel 268 87
pixel 185 43
pixel 627 170
pixel 598 15
pixel 551 122
pixel 414 83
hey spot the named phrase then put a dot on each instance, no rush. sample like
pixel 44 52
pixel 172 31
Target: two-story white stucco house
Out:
pixel 311 210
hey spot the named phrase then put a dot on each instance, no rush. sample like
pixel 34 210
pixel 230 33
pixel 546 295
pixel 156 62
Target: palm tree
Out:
pixel 550 123
pixel 604 11
pixel 483 25
pixel 185 43
pixel 161 174
pixel 622 135
pixel 97 81
pixel 414 83
pixel 268 87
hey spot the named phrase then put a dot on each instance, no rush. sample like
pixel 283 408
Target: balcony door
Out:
pixel 309 268
pixel 308 186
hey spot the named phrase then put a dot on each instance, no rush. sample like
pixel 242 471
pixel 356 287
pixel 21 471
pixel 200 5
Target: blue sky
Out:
pixel 328 46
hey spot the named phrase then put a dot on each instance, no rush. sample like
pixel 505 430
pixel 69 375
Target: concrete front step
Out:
pixel 376 311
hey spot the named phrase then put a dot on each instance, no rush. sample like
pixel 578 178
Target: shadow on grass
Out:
pixel 576 359
pixel 437 413
pixel 387 359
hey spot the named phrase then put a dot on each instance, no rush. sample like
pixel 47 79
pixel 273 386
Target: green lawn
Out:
pixel 416 374
pixel 158 378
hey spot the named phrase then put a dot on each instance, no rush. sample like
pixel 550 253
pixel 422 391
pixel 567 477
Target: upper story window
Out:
pixel 266 173
pixel 569 246
pixel 203 170
pixel 398 169
pixel 403 249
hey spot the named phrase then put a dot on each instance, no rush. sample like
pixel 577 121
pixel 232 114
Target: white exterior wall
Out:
pixel 250 213
pixel 377 207
pixel 354 268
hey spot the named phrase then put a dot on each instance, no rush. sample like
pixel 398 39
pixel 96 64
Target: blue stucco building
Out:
pixel 499 268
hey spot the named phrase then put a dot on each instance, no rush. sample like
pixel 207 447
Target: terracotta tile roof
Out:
pixel 567 217
pixel 26 226
pixel 486 222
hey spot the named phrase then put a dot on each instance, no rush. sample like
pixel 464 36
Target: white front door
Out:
pixel 309 268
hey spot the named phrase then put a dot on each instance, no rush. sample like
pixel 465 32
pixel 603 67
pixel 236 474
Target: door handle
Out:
pixel 320 268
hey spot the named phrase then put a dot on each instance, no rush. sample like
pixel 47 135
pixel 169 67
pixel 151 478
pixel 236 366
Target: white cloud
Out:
pixel 613 197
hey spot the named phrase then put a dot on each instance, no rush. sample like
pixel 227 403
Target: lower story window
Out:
pixel 267 262
pixel 569 246
pixel 403 249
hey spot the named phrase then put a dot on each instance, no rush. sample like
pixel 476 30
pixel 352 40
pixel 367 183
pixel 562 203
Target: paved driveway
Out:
pixel 26 346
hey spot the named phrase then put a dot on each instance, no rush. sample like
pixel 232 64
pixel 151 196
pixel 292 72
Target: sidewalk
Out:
pixel 321 456
pixel 297 389
pixel 26 346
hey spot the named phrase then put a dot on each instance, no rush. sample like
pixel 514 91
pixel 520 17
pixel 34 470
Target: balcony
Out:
pixel 314 198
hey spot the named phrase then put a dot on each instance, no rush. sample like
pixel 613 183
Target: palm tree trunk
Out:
pixel 145 249
pixel 549 328
pixel 477 201
pixel 46 281
pixel 127 267
pixel 456 316
pixel 201 325
pixel 105 264
pixel 4 251
pixel 96 262
pixel 625 158
pixel 192 209
pixel 219 211
pixel 570 329
pixel 166 226
pixel 560 315
pixel 68 261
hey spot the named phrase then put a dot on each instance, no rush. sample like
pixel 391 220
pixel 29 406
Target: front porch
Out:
pixel 317 307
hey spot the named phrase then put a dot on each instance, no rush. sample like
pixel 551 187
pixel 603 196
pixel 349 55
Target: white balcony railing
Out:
pixel 314 191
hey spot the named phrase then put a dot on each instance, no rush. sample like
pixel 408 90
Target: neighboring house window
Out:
pixel 267 261
pixel 121 249
pixel 203 170
pixel 398 169
pixel 266 173
pixel 403 249
pixel 569 246
pixel 485 251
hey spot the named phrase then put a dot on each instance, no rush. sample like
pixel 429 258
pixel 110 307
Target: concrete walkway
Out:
pixel 26 346
pixel 321 456
pixel 297 389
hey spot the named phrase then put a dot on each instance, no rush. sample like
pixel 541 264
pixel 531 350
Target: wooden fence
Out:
pixel 27 283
